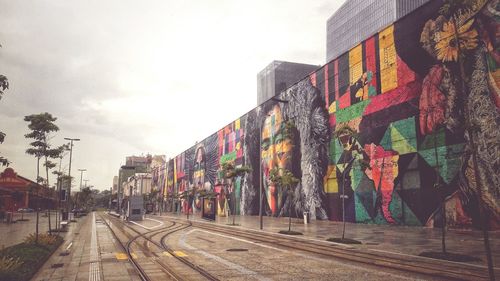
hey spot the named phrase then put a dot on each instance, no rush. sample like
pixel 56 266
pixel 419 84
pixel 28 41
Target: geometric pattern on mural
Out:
pixel 449 160
pixel 401 136
pixel 397 90
pixel 368 210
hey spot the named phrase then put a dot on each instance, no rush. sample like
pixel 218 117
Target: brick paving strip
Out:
pixel 95 264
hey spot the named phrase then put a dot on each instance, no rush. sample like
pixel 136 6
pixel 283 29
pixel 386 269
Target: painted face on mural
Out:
pixel 199 167
pixel 199 173
pixel 276 151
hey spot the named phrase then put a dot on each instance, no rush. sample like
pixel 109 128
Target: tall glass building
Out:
pixel 356 20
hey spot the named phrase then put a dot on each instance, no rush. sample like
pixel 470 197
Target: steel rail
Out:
pixel 184 260
pixel 138 268
pixel 419 265
pixel 165 247
pixel 164 267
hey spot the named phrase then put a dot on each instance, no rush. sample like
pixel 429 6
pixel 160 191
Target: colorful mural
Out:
pixel 421 101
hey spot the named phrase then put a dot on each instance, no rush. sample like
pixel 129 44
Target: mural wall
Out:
pixel 394 125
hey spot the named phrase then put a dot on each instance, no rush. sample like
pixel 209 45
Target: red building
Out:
pixel 19 192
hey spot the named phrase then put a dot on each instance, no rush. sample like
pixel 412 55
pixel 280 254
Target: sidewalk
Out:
pixel 15 233
pixel 384 238
pixel 88 253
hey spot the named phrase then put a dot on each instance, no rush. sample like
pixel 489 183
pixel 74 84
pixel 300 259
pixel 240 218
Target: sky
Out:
pixel 136 77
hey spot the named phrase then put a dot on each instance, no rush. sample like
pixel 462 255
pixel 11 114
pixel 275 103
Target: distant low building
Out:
pixel 139 183
pixel 19 192
pixel 278 76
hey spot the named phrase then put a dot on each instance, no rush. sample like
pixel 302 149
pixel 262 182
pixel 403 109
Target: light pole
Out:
pixel 260 162
pixel 110 197
pixel 69 172
pixel 81 177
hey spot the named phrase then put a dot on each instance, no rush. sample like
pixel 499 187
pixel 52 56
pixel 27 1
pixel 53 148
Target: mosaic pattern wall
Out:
pixel 387 124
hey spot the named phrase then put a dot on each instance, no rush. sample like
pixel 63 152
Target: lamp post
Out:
pixel 69 172
pixel 260 163
pixel 81 177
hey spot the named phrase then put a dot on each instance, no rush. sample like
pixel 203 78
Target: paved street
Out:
pixel 384 238
pixel 95 248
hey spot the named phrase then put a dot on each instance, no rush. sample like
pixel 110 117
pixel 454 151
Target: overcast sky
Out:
pixel 137 77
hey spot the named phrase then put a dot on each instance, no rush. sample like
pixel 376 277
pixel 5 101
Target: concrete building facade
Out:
pixel 356 20
pixel 278 76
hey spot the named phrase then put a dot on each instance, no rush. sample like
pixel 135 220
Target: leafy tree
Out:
pixel 187 195
pixel 283 178
pixel 4 85
pixel 230 172
pixel 203 193
pixel 41 126
pixel 102 199
pixel 85 198
pixel 153 198
pixel 346 134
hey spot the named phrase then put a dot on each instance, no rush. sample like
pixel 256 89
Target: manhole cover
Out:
pixel 237 250
pixel 57 265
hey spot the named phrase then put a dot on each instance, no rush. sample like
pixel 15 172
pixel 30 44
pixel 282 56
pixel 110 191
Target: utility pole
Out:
pixel 81 177
pixel 110 197
pixel 69 172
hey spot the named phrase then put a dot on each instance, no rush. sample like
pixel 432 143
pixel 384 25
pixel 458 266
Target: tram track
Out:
pixel 393 261
pixel 133 239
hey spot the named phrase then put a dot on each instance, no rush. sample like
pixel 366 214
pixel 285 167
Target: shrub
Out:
pixel 8 264
pixel 30 256
pixel 43 239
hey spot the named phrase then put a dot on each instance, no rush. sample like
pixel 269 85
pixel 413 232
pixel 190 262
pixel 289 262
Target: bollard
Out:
pixel 306 217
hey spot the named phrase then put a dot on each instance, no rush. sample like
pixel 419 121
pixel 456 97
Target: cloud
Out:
pixel 130 78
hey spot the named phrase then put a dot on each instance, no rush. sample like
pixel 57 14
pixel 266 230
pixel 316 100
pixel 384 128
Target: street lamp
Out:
pixel 69 173
pixel 260 162
pixel 81 177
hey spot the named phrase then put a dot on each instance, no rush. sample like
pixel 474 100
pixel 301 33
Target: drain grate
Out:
pixel 64 254
pixel 237 250
pixel 57 265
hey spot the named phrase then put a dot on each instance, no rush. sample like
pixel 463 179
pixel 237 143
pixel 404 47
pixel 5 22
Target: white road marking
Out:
pixel 229 264
pixel 286 251
pixel 69 246
pixel 95 263
pixel 242 240
pixel 146 227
